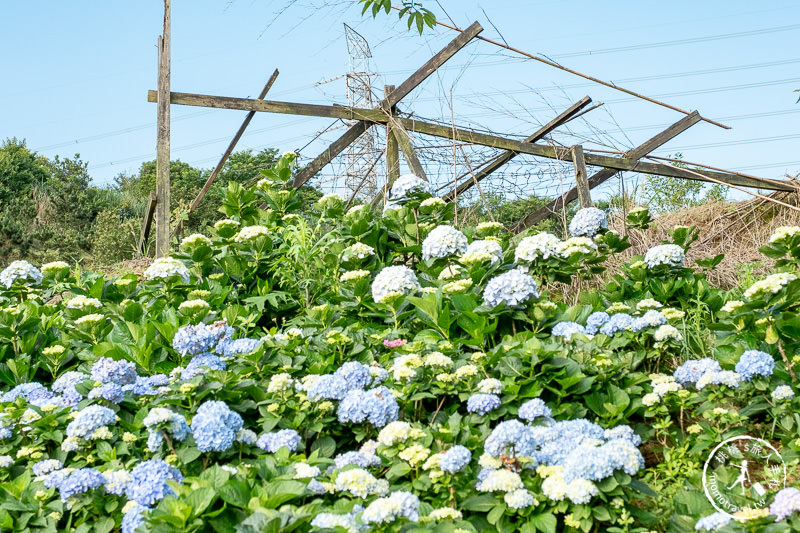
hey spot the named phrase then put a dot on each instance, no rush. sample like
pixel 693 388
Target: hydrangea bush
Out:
pixel 289 373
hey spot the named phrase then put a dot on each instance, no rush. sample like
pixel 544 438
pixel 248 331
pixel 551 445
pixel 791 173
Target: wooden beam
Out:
pixel 604 174
pixel 162 146
pixel 390 101
pixel 227 153
pixel 507 156
pixel 149 212
pixel 269 106
pixel 581 181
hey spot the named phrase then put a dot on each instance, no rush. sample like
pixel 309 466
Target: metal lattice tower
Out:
pixel 360 156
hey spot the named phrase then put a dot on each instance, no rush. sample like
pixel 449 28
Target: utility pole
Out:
pixel 162 148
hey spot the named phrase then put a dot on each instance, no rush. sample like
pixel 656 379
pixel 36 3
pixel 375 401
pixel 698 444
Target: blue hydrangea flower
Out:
pixel 377 406
pixel 455 459
pixel 148 483
pixel 512 288
pixel 786 502
pixel 355 374
pixel 201 363
pixel 68 380
pixel 567 329
pixel 6 433
pixel 108 391
pixel 596 463
pixel 533 409
pixel 200 338
pixel 214 426
pixel 329 387
pixel 346 521
pixel 133 518
pixel 89 419
pixel 229 348
pixel 20 270
pixel 511 437
pixel 618 322
pixel 483 403
pixel 587 222
pixel 24 390
pixel 595 320
pixel 664 254
pixel 755 363
pixel 107 370
pixel 712 522
pixel 79 482
pixel 272 442
pixel 55 478
pixel 650 319
pixel 623 432
pixel 46 466
pixel 158 380
pixel 386 510
pixel 116 481
pixel 692 370
pixel 162 419
pixel 358 458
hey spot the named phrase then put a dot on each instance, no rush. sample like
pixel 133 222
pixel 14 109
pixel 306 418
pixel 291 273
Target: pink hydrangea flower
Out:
pixel 395 343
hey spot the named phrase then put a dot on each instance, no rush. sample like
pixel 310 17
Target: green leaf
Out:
pixel 480 503
pixel 200 499
pixel 545 522
pixel 235 492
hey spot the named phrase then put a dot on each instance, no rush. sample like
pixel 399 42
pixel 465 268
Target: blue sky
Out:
pixel 77 75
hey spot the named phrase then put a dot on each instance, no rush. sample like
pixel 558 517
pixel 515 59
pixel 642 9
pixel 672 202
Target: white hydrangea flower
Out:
pixel 83 302
pixel 483 251
pixel 647 304
pixel 450 272
pixel 587 222
pixel 665 254
pixel 54 266
pixel 432 204
pixel 330 199
pixel 438 359
pixel 358 250
pixel 488 228
pixel 226 223
pixel 20 270
pixel 490 386
pixel 167 267
pixel 193 306
pixel 576 245
pixel 250 233
pixel 732 306
pixel 457 287
pixel 671 313
pixel 650 399
pixel 353 275
pixel 770 285
pixel 445 513
pixel 92 319
pixel 392 281
pixel 500 481
pixel 443 241
pixel 539 246
pixel 406 184
pixel 195 240
pixel 394 432
pixel 782 233
pixel 667 332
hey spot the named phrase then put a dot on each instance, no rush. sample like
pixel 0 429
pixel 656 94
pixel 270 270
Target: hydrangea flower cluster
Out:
pixel 616 323
pixel 666 332
pixel 533 409
pixel 770 285
pixel 691 371
pixel 272 442
pixel 781 234
pixel 786 502
pixel 394 281
pixel 595 321
pixel 782 392
pixel 650 319
pixel 535 247
pixel 576 245
pixel 167 268
pixel 406 184
pixel 588 222
pixel 443 241
pixel 89 419
pixel 483 403
pixel 567 330
pixel 358 250
pixel 512 288
pixel 148 484
pixel 107 370
pixel 22 271
pixel 724 377
pixel 666 254
pixel 161 419
pixel 483 251
pixel 755 363
pixel 79 482
pixel 712 522
pixel 454 459
pixel 250 233
pixel 397 504
pixel 377 406
pixel 200 338
pixel 215 426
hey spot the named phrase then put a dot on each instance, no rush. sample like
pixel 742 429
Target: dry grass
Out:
pixel 128 266
pixel 735 229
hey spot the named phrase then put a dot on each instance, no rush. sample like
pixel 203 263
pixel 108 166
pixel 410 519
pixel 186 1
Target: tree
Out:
pixel 416 13
pixel 665 194
pixel 20 170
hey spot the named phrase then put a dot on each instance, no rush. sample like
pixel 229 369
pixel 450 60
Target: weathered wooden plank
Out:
pixel 607 172
pixel 581 181
pixel 392 149
pixel 227 153
pixel 406 146
pixel 269 106
pixel 147 223
pixel 162 145
pixel 502 159
pixel 390 101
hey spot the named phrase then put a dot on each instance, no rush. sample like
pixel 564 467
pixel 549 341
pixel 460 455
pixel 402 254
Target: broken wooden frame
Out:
pixel 398 129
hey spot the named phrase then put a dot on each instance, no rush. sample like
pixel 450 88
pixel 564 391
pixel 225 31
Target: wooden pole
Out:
pixel 147 222
pixel 227 153
pixel 392 150
pixel 163 156
pixel 581 181
pixel 406 146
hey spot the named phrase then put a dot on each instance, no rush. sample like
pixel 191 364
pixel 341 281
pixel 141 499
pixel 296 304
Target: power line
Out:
pixel 676 42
